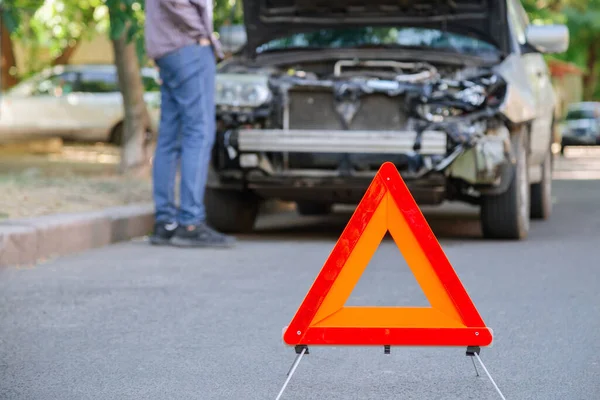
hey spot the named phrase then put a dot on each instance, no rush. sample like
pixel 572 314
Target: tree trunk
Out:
pixel 591 79
pixel 7 59
pixel 66 54
pixel 134 149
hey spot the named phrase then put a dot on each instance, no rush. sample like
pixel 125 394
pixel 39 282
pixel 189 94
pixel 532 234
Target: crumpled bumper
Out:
pixel 482 161
pixel 357 142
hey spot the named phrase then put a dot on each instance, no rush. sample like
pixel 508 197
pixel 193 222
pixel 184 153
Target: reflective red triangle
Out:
pixel 322 318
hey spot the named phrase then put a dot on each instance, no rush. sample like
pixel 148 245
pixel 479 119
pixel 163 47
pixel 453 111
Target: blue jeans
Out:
pixel 186 133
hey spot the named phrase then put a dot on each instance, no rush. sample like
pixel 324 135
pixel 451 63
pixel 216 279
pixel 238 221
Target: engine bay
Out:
pixel 377 96
pixel 427 97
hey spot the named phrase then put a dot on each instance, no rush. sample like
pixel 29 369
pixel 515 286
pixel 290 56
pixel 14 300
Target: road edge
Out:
pixel 28 241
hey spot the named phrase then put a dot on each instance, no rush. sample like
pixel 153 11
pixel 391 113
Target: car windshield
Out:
pixel 379 36
pixel 581 114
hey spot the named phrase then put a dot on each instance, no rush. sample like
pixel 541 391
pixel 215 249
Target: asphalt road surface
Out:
pixel 136 322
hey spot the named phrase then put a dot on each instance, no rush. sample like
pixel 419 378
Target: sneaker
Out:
pixel 201 235
pixel 163 233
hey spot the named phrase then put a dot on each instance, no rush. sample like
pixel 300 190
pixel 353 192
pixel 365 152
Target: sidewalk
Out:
pixel 60 199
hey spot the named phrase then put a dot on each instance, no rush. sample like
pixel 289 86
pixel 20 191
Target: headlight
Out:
pixel 241 90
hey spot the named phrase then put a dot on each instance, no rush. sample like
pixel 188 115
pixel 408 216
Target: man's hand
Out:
pixel 217 47
pixel 158 80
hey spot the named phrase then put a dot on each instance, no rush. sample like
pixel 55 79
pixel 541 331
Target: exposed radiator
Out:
pixel 316 109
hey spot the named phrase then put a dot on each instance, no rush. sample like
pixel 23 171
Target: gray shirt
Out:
pixel 172 24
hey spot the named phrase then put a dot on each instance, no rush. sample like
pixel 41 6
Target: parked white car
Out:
pixel 77 102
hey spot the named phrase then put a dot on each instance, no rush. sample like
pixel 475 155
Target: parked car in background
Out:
pixel 581 126
pixel 455 93
pixel 78 102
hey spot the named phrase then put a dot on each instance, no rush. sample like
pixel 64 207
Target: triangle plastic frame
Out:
pixel 452 319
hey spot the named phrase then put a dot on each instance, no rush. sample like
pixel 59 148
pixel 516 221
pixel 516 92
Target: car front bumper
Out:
pixel 340 164
pixel 327 141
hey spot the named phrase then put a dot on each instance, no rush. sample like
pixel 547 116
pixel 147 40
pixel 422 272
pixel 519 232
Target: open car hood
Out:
pixel 270 19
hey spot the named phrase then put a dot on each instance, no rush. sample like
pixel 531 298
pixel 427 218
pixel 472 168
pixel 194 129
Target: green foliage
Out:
pixel 582 17
pixel 59 24
pixel 127 18
pixel 52 24
pixel 227 12
pixel 10 15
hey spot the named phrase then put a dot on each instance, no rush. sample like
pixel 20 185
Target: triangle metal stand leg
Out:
pixel 304 350
pixel 475 366
pixel 489 376
pixel 473 351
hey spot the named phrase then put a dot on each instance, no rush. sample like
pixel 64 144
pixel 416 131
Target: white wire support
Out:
pixel 489 376
pixel 291 372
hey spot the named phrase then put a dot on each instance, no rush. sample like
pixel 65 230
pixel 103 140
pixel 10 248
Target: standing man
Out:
pixel 179 38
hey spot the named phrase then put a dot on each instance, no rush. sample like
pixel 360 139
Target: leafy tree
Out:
pixel 584 26
pixel 9 21
pixel 582 17
pixel 227 12
pixel 62 24
pixel 57 26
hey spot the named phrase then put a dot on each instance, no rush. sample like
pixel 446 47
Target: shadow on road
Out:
pixel 449 221
pixel 446 223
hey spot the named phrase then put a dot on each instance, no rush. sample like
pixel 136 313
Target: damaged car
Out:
pixel 321 93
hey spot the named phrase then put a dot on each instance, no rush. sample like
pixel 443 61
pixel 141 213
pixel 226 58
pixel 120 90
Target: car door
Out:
pixel 35 109
pixel 96 104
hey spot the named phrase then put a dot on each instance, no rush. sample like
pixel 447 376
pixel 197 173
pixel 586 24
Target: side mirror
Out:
pixel 548 38
pixel 232 37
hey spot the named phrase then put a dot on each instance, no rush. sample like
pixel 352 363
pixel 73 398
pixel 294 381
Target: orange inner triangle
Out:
pixel 333 313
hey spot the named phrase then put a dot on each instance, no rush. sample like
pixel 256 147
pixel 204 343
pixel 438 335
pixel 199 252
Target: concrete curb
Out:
pixel 29 240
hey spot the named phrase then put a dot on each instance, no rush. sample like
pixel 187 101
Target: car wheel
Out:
pixel 231 211
pixel 506 216
pixel 309 208
pixel 116 135
pixel 541 193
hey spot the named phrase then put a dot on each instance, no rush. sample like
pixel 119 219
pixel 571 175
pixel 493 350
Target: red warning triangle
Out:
pixel 452 319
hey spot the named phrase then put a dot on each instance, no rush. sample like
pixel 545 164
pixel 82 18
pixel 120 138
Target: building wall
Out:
pixel 569 88
pixel 95 51
pixel 567 79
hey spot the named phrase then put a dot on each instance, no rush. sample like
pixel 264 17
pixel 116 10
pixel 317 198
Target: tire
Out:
pixel 506 216
pixel 541 193
pixel 116 135
pixel 231 211
pixel 308 208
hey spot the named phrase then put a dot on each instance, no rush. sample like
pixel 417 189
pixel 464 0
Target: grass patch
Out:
pixel 26 196
pixel 73 181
